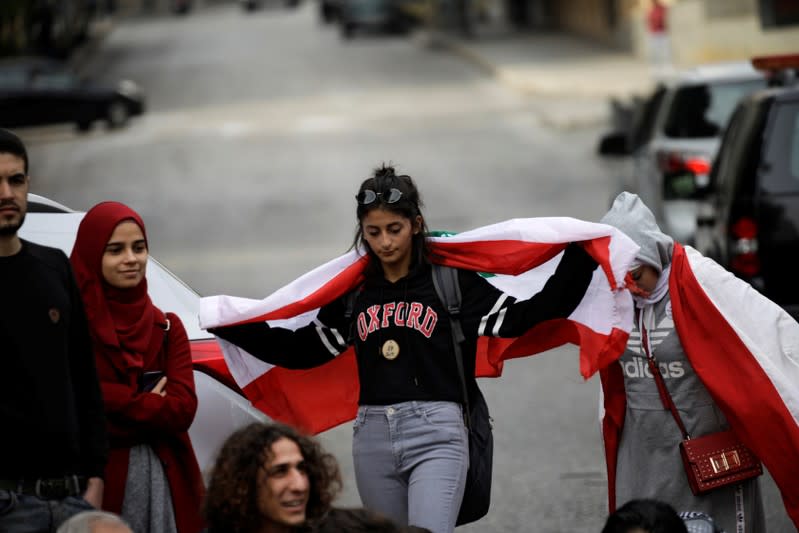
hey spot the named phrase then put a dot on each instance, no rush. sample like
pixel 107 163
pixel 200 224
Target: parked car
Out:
pixel 751 222
pixel 252 5
pixel 36 91
pixel 222 407
pixel 674 135
pixel 181 7
pixel 329 10
pixel 373 15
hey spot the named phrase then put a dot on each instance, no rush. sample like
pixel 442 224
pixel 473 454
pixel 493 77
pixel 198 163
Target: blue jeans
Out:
pixel 411 460
pixel 25 513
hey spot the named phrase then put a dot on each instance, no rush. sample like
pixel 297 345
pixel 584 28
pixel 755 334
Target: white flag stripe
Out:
pixel 220 310
pixel 777 355
pixel 243 367
pixel 295 322
pixel 592 310
pixel 544 230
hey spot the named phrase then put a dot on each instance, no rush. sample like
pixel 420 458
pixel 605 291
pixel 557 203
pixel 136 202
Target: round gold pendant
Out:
pixel 390 349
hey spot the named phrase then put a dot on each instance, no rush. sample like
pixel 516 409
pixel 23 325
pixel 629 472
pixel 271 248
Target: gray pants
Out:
pixel 410 462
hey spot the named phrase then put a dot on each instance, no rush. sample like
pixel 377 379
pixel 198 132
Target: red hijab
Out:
pixel 122 321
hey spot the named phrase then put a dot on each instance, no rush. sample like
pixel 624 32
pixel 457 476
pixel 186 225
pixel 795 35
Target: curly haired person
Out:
pixel 268 478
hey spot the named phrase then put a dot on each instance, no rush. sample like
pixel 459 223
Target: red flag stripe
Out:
pixel 314 400
pixel 498 257
pixel 338 286
pixel 724 364
pixel 615 404
pixel 596 350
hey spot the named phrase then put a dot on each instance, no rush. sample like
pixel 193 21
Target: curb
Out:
pixel 572 101
pixel 534 82
pixel 514 81
pixel 454 46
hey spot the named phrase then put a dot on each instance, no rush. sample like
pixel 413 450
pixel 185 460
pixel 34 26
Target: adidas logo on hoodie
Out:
pixel 637 367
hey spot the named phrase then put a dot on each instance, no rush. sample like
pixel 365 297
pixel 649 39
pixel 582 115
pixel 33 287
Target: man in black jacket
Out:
pixel 53 449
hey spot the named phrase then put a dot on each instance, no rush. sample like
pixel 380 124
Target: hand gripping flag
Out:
pixel 522 253
pixel 745 349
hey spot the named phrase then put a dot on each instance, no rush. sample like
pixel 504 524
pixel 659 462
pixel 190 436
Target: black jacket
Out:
pixel 51 409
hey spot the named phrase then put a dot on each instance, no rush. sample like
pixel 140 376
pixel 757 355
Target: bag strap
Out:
pixel 665 397
pixel 349 303
pixel 445 281
pixel 349 309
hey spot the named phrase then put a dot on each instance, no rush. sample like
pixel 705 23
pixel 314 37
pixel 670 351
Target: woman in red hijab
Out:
pixel 152 478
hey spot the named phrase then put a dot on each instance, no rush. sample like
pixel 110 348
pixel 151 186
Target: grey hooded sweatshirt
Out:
pixel 649 463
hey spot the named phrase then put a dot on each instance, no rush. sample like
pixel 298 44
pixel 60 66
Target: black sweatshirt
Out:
pixel 51 408
pixel 409 313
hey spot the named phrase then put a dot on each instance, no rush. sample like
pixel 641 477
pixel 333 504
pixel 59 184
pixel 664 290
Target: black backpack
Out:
pixel 477 495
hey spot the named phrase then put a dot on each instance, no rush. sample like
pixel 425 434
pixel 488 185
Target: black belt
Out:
pixel 55 488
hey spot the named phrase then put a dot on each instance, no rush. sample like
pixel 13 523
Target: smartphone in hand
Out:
pixel 148 380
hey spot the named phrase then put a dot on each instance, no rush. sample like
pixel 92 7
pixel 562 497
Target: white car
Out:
pixel 674 137
pixel 222 407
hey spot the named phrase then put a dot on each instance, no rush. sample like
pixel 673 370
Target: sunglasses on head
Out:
pixel 368 196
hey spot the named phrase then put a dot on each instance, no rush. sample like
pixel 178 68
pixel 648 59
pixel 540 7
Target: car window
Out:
pixel 738 158
pixel 779 170
pixel 729 154
pixel 54 80
pixel 702 111
pixel 13 79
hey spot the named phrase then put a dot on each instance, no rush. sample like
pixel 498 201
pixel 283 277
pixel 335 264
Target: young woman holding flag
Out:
pixel 409 440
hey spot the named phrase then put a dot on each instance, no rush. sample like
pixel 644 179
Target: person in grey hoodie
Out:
pixel 648 462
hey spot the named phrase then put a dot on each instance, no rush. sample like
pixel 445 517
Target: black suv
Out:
pixel 751 222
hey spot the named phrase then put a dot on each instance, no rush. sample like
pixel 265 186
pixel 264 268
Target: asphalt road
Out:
pixel 260 128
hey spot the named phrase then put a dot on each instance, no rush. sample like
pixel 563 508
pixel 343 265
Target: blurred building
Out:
pixel 701 30
pixel 50 27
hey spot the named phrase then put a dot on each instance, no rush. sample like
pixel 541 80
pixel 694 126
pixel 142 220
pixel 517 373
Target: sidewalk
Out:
pixel 576 76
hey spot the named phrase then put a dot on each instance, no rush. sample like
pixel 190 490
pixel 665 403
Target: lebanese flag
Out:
pixel 522 253
pixel 745 349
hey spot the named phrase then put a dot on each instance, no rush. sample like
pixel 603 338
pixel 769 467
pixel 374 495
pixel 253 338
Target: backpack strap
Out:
pixel 349 304
pixel 445 281
pixel 349 310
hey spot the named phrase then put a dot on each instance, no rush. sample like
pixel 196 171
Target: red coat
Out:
pixel 162 422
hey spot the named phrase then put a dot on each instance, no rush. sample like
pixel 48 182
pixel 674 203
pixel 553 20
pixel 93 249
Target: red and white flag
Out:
pixel 745 349
pixel 522 253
